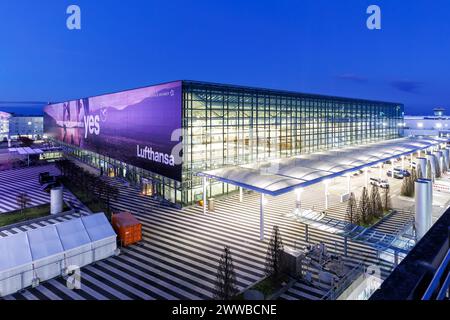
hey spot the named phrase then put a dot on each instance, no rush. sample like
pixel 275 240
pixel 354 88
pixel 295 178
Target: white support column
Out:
pixel 241 194
pixel 403 162
pixel 261 217
pixel 366 177
pixel 392 166
pixel 348 182
pixel 326 182
pixel 205 184
pixel 298 203
pixel 380 167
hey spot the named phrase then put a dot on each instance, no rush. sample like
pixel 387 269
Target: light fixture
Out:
pixel 420 125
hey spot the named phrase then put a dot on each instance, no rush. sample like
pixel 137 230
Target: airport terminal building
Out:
pixel 161 137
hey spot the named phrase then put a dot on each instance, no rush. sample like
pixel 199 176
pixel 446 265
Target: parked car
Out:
pixel 379 183
pixel 398 173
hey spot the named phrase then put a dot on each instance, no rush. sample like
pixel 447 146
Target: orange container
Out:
pixel 127 227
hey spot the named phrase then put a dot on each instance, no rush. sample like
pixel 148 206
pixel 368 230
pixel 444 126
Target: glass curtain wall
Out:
pixel 226 125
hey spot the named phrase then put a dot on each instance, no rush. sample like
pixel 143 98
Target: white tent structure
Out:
pixel 38 255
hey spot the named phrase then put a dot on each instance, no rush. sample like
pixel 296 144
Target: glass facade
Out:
pixel 230 125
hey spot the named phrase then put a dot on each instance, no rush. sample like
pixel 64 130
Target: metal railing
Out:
pixel 437 283
pixel 339 287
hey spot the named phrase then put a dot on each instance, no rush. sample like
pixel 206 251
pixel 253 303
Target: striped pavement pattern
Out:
pixel 13 182
pixel 179 255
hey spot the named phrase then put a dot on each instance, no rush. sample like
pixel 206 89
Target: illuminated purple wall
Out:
pixel 134 126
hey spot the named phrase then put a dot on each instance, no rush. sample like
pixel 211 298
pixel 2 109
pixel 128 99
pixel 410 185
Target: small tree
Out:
pixel 274 253
pixel 419 172
pixel 407 188
pixel 111 193
pixel 429 173
pixel 437 166
pixel 364 207
pixel 25 141
pixel 23 200
pixel 225 287
pixel 352 209
pixel 387 199
pixel 376 206
pixel 414 175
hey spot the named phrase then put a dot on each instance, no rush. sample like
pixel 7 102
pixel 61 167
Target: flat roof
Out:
pixel 284 175
pixel 260 90
pixel 26 150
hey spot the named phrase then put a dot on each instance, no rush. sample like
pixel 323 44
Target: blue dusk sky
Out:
pixel 312 46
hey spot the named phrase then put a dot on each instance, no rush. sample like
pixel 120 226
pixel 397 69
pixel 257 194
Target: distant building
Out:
pixel 4 125
pixel 12 126
pixel 28 126
pixel 436 125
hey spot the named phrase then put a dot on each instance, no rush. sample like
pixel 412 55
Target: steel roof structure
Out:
pixel 284 175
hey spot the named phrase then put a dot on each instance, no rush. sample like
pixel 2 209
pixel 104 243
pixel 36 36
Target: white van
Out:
pixel 379 183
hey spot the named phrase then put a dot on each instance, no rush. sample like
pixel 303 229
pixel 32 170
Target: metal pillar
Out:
pixel 326 194
pixel 403 162
pixel 241 194
pixel 298 203
pixel 261 217
pixel 348 183
pixel 366 177
pixel 205 183
pixel 380 170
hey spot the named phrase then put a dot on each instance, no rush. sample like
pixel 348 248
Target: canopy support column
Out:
pixel 261 217
pixel 366 177
pixel 403 162
pixel 298 204
pixel 205 183
pixel 348 183
pixel 380 167
pixel 241 194
pixel 326 182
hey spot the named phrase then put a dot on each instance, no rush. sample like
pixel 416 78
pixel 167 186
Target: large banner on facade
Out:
pixel 140 127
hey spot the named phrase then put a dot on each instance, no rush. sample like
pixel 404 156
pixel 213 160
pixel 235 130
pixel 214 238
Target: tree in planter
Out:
pixel 23 200
pixel 274 253
pixel 387 199
pixel 414 177
pixel 225 287
pixel 352 209
pixel 429 173
pixel 364 207
pixel 376 206
pixel 437 167
pixel 62 165
pixel 25 141
pixel 111 193
pixel 406 189
pixel 419 172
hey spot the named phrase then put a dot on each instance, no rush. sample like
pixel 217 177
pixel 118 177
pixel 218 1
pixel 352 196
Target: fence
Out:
pixel 339 287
